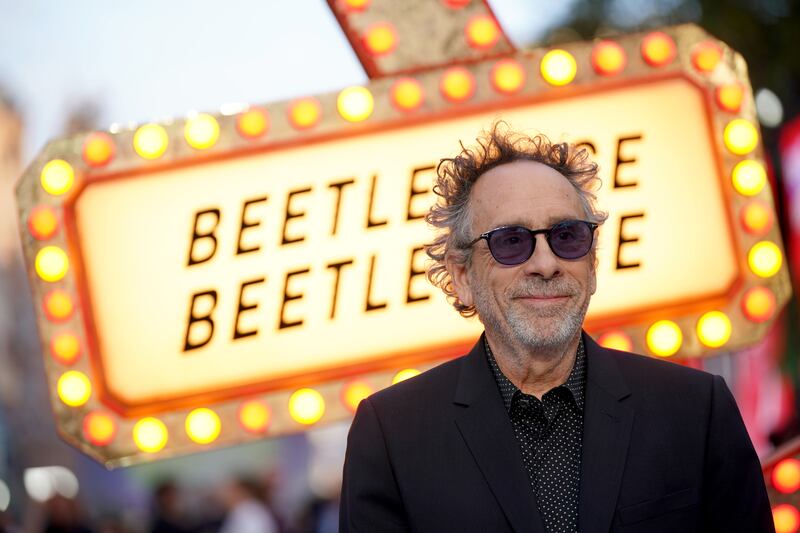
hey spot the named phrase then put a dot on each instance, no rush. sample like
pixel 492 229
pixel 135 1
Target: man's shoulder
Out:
pixel 436 383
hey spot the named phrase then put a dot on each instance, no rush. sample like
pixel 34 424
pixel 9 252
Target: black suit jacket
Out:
pixel 664 450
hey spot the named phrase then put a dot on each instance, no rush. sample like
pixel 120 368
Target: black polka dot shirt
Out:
pixel 549 432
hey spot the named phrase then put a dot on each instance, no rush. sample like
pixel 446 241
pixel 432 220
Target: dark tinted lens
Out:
pixel 512 245
pixel 571 239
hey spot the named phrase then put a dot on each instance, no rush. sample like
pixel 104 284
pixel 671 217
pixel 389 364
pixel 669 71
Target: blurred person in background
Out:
pixel 62 515
pixel 247 512
pixel 168 516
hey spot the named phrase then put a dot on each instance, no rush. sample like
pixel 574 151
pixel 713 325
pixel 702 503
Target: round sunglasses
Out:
pixel 513 245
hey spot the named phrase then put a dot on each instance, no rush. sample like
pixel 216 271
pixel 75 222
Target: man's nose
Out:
pixel 543 262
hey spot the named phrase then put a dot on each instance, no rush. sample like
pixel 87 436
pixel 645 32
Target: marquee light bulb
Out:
pixel 150 141
pixel 714 329
pixel 508 76
pixel 407 94
pixel 74 388
pixel 355 104
pixel 65 348
pixel 306 406
pixel 254 416
pixel 740 136
pixel 457 84
pixel 354 392
pixel 305 113
pixel 98 149
pixel 558 67
pixel 786 476
pixel 380 39
pixel 43 222
pixel 664 338
pixel 58 305
pixel 99 428
pixel 57 177
pixel 150 434
pixel 658 49
pixel 51 263
pixel 203 425
pixel 706 56
pixel 253 123
pixel 749 177
pixel 356 5
pixel 608 58
pixel 405 374
pixel 482 32
pixel 756 217
pixel 758 304
pixel 765 259
pixel 729 97
pixel 201 131
pixel 786 518
pixel 616 340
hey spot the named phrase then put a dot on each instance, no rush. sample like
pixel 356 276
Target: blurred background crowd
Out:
pixel 82 65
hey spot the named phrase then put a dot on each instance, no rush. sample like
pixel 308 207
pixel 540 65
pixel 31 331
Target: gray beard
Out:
pixel 519 329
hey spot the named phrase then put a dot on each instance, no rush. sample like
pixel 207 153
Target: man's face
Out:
pixel 542 302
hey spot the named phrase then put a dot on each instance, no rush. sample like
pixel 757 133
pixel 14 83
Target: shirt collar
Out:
pixel 575 383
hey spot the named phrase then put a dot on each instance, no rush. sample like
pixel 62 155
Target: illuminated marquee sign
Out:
pixel 235 275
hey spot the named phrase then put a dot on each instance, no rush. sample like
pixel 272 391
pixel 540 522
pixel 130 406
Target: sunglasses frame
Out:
pixel 534 232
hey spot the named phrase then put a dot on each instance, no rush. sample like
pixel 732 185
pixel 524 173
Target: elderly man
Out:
pixel 539 428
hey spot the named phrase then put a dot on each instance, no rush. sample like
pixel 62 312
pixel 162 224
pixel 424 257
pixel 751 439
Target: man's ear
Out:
pixel 460 276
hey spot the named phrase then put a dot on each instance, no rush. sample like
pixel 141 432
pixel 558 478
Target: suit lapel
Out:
pixel 485 426
pixel 607 424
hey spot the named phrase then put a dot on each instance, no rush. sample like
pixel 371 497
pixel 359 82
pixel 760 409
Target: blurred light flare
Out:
pixel 786 476
pixel 616 340
pixel 254 416
pixel 608 58
pixel 355 104
pixel 58 305
pixel 51 263
pixel 380 38
pixel 765 259
pixel 203 425
pixel 729 97
pixel 786 518
pixel 354 392
pixel 201 131
pixel 74 388
pixel 407 94
pixel 98 149
pixel 558 67
pixel 740 136
pixel 150 434
pixel 482 32
pixel 749 177
pixel 756 218
pixel 714 329
pixel 769 108
pixel 658 49
pixel 43 222
pixel 252 123
pixel 356 5
pixel 305 113
pixel 706 56
pixel 758 304
pixel 150 141
pixel 405 374
pixel 5 496
pixel 508 76
pixel 57 177
pixel 99 428
pixel 664 338
pixel 457 84
pixel 44 482
pixel 306 406
pixel 65 347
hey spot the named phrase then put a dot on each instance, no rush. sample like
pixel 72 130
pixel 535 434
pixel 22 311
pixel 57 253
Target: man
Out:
pixel 539 428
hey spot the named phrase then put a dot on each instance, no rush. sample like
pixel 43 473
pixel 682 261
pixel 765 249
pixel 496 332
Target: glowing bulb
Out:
pixel 457 84
pixel 729 97
pixel 42 222
pixel 203 425
pixel 355 104
pixel 99 428
pixel 356 5
pixel 254 416
pixel 508 76
pixel 306 406
pixel 658 49
pixel 786 518
pixel 786 476
pixel 201 131
pixel 150 434
pixel 714 329
pixel 98 149
pixel 756 218
pixel 558 67
pixel 741 136
pixel 664 338
pixel 407 94
pixel 354 392
pixel 304 113
pixel 758 304
pixel 456 4
pixel 65 348
pixel 482 32
pixel 405 374
pixel 706 56
pixel 616 340
pixel 608 58
pixel 380 39
pixel 74 388
pixel 765 259
pixel 51 263
pixel 57 177
pixel 150 141
pixel 252 123
pixel 749 177
pixel 58 305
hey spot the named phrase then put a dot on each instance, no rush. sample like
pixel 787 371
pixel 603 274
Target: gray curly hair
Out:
pixel 456 176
